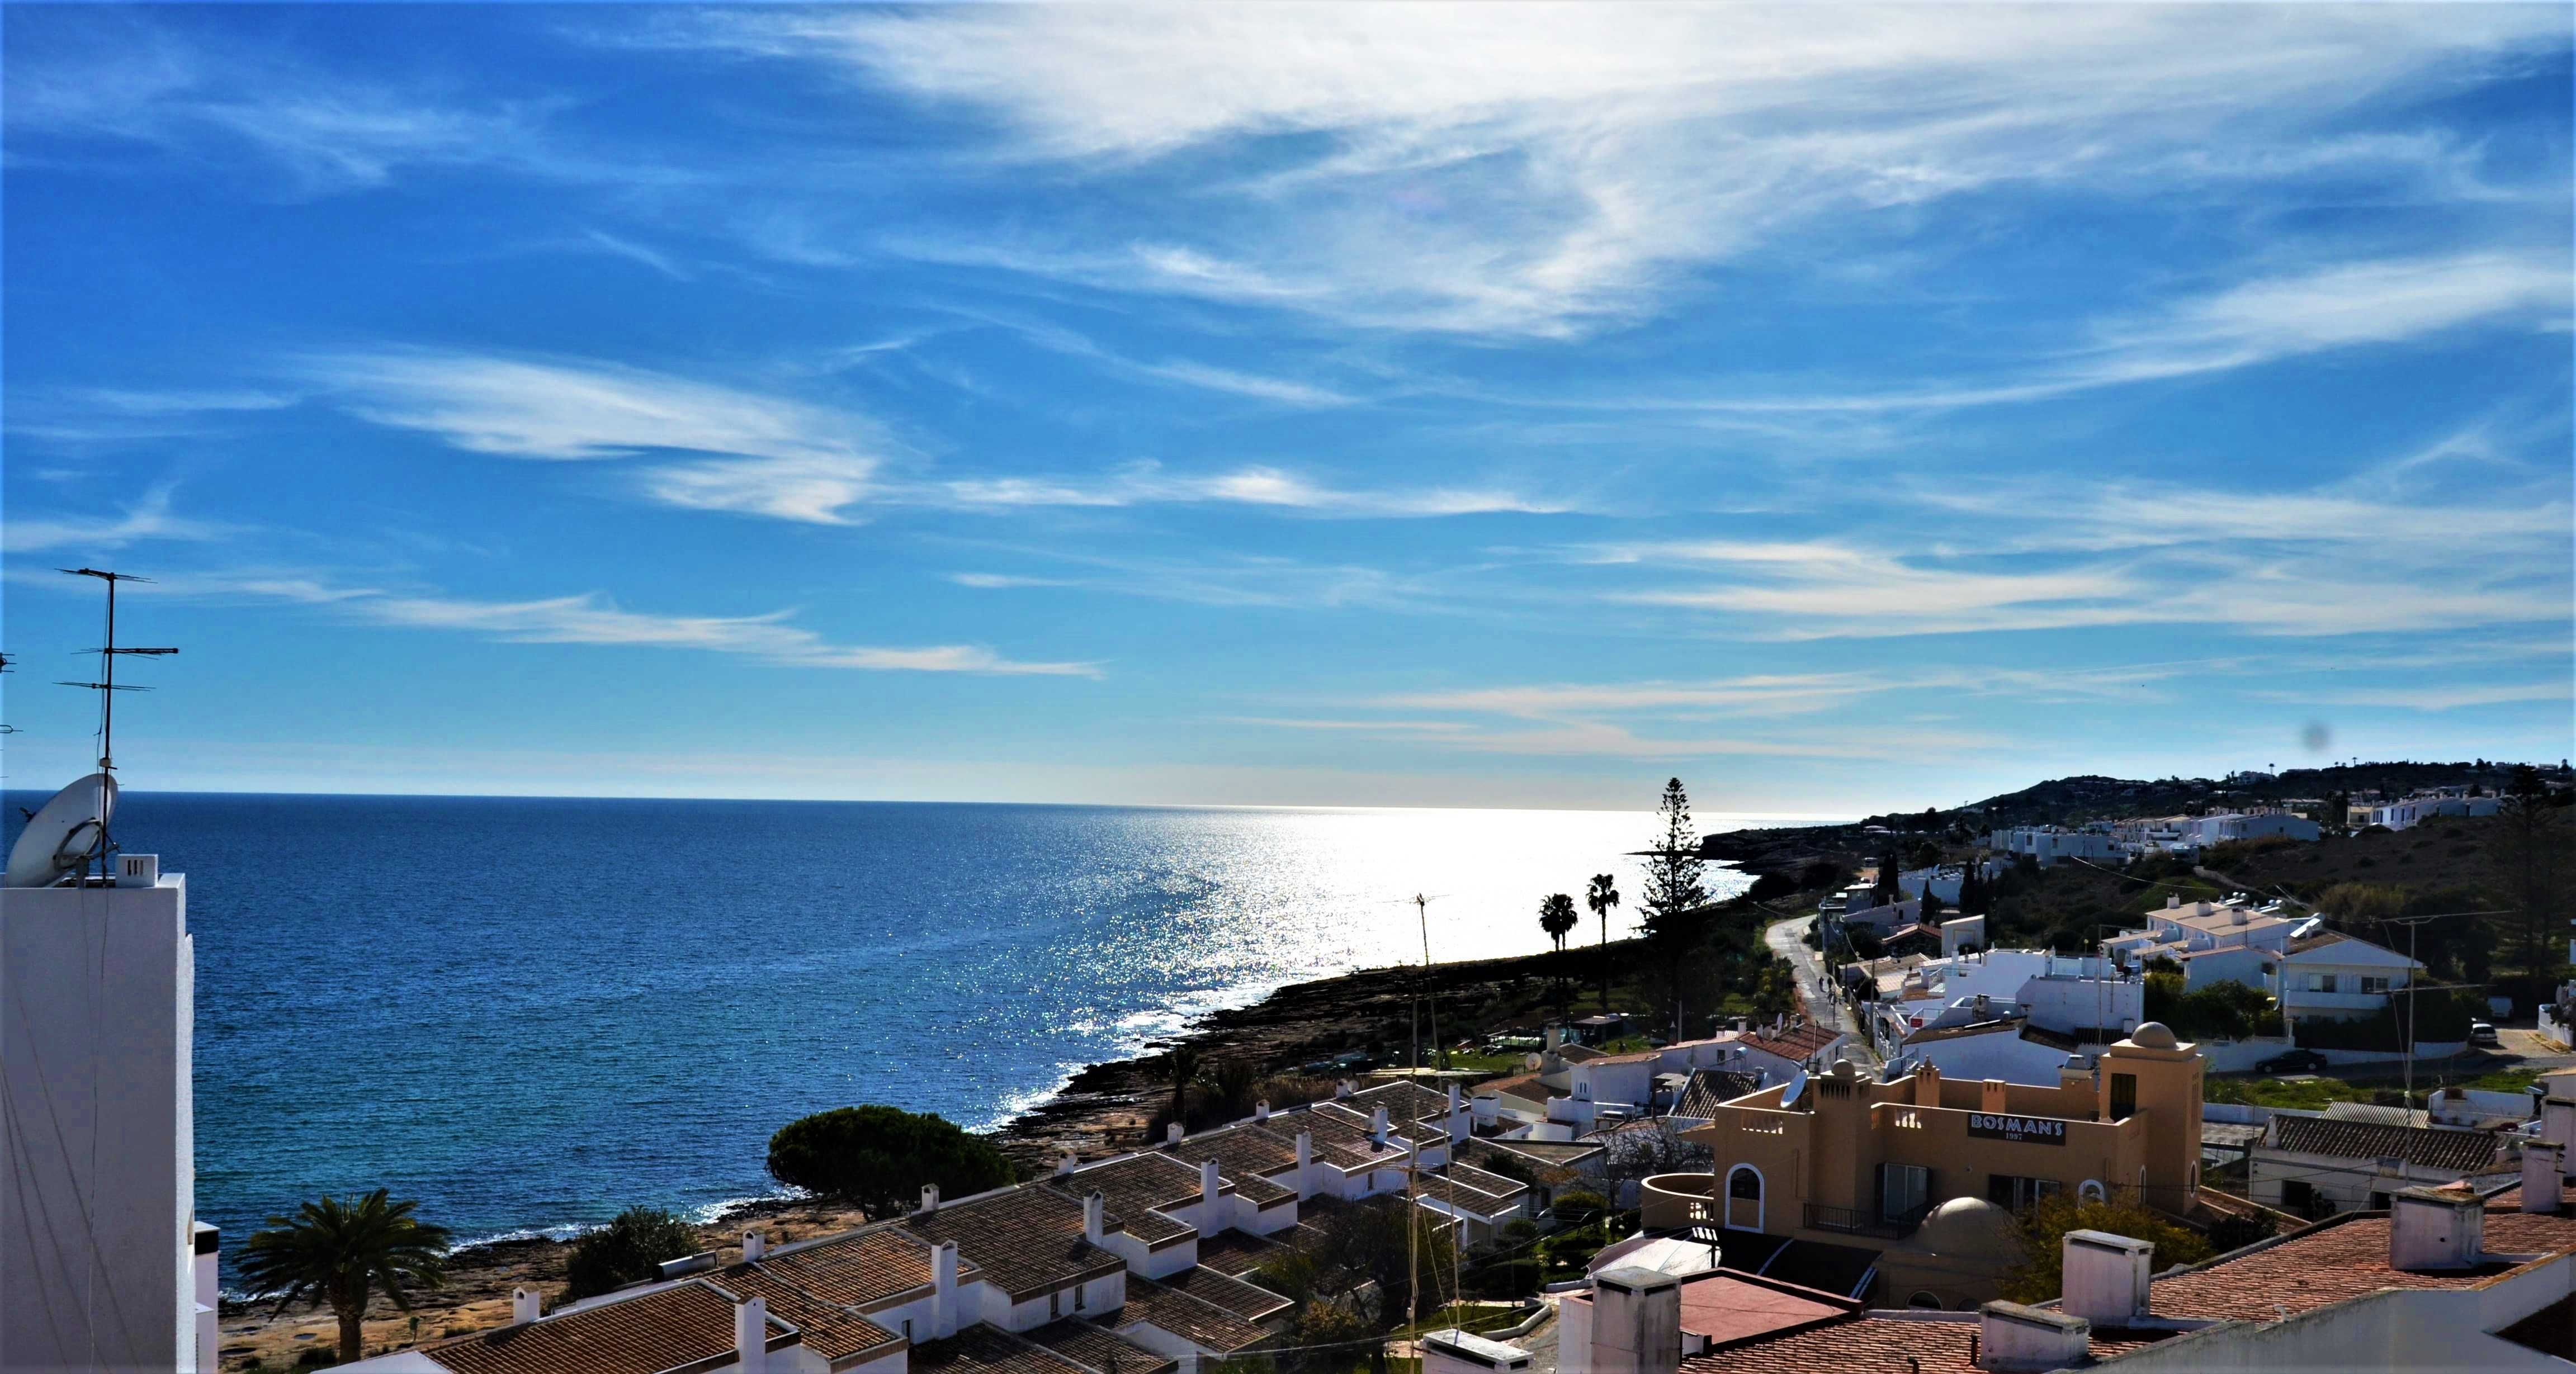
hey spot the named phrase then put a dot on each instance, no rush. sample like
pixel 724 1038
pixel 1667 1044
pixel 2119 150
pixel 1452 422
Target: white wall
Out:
pixel 98 985
pixel 1999 1054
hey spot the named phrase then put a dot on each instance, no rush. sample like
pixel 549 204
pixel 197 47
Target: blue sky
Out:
pixel 1289 404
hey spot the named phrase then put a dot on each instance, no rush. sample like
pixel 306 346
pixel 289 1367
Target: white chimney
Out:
pixel 1636 1321
pixel 1342 1088
pixel 1377 1125
pixel 2107 1277
pixel 1305 1159
pixel 2014 1337
pixel 1210 1185
pixel 1172 1134
pixel 1453 1098
pixel 929 1198
pixel 1064 1164
pixel 1095 1216
pixel 2543 1169
pixel 2558 1124
pixel 754 1245
pixel 2436 1228
pixel 526 1305
pixel 2236 916
pixel 751 1336
pixel 1261 1111
pixel 943 1289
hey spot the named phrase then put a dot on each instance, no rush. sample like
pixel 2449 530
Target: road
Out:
pixel 1788 939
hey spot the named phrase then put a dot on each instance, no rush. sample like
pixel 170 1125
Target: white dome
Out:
pixel 1968 1226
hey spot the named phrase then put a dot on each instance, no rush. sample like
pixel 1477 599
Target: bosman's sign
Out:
pixel 2031 1130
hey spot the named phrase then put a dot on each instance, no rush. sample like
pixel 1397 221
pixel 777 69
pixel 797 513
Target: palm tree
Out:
pixel 1556 917
pixel 341 1253
pixel 1603 895
pixel 1182 1066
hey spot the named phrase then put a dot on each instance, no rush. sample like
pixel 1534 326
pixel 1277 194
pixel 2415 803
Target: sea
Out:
pixel 531 1013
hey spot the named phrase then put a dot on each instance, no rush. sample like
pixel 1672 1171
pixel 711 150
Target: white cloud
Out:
pixel 148 517
pixel 2437 697
pixel 1147 483
pixel 814 490
pixel 1443 167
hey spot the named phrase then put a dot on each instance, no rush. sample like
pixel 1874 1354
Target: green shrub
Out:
pixel 2441 1018
pixel 627 1250
pixel 882 1157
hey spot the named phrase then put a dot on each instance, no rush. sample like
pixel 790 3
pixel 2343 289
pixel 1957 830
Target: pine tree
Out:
pixel 1672 867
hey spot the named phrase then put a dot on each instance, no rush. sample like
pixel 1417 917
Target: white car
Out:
pixel 2481 1033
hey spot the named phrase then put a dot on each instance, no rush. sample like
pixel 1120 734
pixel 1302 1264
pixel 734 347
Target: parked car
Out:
pixel 2293 1061
pixel 2481 1033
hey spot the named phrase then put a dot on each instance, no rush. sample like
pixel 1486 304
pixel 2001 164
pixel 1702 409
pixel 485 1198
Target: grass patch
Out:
pixel 2305 1094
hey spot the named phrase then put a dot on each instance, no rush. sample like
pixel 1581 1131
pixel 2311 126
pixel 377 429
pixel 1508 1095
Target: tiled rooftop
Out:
pixel 862 1268
pixel 831 1331
pixel 2341 1258
pixel 1936 1343
pixel 1027 1240
pixel 1134 1187
pixel 1192 1319
pixel 2465 1152
pixel 1796 1042
pixel 983 1349
pixel 1709 1087
pixel 640 1335
pixel 1100 1350
pixel 1249 1301
pixel 1404 1101
pixel 1244 1155
pixel 1233 1252
pixel 1484 1181
pixel 1364 1117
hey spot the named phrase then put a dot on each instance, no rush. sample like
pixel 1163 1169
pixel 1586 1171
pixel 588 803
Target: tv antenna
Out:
pixel 107 687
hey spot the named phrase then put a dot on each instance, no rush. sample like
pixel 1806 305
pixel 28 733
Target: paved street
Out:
pixel 1788 940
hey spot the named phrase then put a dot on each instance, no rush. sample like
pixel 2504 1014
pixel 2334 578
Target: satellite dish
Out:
pixel 1797 1085
pixel 63 835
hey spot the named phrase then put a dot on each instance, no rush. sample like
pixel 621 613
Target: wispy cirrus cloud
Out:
pixel 1567 171
pixel 588 618
pixel 147 517
pixel 773 456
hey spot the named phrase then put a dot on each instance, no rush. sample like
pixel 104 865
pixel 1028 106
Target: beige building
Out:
pixel 1844 1156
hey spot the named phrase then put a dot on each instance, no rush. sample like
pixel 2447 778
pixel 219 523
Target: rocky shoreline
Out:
pixel 1105 1108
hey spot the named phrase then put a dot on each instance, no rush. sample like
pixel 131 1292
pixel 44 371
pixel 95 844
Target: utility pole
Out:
pixel 2413 924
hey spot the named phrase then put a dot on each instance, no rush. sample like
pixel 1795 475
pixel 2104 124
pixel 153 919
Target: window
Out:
pixel 2124 1096
pixel 1924 1302
pixel 2370 984
pixel 1077 1299
pixel 2325 982
pixel 1902 1190
pixel 2017 1192
pixel 1055 1304
pixel 907 1329
pixel 1744 1183
pixel 2299 1197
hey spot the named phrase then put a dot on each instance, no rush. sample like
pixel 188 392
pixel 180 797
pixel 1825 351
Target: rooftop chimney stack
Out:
pixel 2107 1277
pixel 1095 1216
pixel 1342 1088
pixel 754 1245
pixel 1064 1164
pixel 2543 1174
pixel 1305 1159
pixel 1211 1186
pixel 1261 1111
pixel 1636 1321
pixel 751 1336
pixel 943 1289
pixel 1172 1134
pixel 526 1305
pixel 1377 1125
pixel 2436 1228
pixel 929 1198
pixel 2018 1338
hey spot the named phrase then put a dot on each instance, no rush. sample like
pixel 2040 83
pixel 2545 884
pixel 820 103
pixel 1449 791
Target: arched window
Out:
pixel 1924 1302
pixel 2091 1190
pixel 1744 1198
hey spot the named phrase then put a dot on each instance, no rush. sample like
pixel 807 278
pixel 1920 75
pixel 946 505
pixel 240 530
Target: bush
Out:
pixel 2441 1019
pixel 1505 1280
pixel 2040 1276
pixel 627 1250
pixel 1576 1207
pixel 881 1157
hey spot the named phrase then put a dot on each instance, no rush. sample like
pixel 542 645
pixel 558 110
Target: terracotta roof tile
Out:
pixel 1201 1323
pixel 1871 1344
pixel 1797 1042
pixel 645 1334
pixel 1709 1087
pixel 861 1268
pixel 830 1330
pixel 2344 1257
pixel 1135 1188
pixel 1404 1101
pixel 981 1349
pixel 1249 1301
pixel 1244 1156
pixel 1027 1240
pixel 1233 1252
pixel 1099 1350
pixel 2466 1152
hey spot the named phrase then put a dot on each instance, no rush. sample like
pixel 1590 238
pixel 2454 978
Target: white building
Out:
pixel 2061 993
pixel 2423 806
pixel 2050 844
pixel 2309 970
pixel 102 1256
pixel 2317 1165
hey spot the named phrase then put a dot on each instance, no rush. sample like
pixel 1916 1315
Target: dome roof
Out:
pixel 2153 1035
pixel 1967 1226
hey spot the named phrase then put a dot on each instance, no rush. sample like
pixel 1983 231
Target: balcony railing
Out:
pixel 1865 1222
